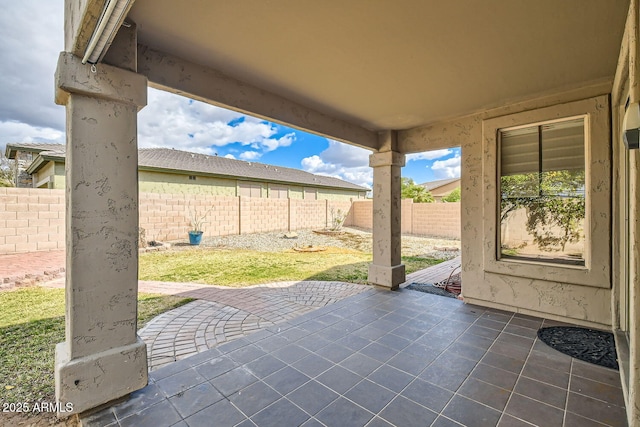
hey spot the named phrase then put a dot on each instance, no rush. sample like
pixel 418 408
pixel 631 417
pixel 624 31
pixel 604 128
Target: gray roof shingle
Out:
pixel 186 162
pixel 33 147
pixel 167 158
pixel 432 185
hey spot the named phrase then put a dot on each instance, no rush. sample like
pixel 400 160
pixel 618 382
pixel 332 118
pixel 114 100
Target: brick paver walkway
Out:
pixel 433 274
pixel 28 268
pixel 223 314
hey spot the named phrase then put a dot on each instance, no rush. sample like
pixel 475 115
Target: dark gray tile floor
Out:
pixel 380 358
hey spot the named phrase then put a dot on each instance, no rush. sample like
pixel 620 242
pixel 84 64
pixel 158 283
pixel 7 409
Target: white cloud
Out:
pixel 314 164
pixel 345 154
pixel 285 141
pixel 429 155
pixel 23 132
pixel 32 37
pixel 449 168
pixel 250 155
pixel 230 156
pixel 342 161
pixel 170 120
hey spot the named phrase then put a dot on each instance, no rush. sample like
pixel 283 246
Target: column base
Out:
pixel 93 380
pixel 387 277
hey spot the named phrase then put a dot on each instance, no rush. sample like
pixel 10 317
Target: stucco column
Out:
pixel 102 358
pixel 387 269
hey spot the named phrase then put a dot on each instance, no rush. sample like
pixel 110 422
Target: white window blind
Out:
pixel 549 147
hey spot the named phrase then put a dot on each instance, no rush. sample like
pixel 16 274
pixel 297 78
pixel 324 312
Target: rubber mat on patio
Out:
pixel 589 345
pixel 430 289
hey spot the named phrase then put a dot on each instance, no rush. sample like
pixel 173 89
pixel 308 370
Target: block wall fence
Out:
pixel 34 219
pixel 421 219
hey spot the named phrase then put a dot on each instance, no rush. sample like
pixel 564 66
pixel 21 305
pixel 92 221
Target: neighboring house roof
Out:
pixel 177 161
pixel 433 185
pixel 56 154
pixel 33 147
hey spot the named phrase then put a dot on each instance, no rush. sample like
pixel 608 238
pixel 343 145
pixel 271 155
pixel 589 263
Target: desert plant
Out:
pixel 197 220
pixel 337 219
pixel 454 196
pixel 142 238
pixel 7 171
pixel 411 190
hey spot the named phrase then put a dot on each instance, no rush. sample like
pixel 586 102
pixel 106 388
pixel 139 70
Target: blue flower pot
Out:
pixel 195 237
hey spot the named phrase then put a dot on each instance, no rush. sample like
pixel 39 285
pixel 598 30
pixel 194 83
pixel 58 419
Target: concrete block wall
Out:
pixel 514 234
pixel 259 215
pixel 422 219
pixel 31 220
pixel 308 214
pixel 436 219
pixel 407 216
pixel 168 216
pixel 362 214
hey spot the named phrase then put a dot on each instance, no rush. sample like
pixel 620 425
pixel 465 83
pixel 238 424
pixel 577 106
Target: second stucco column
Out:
pixel 102 358
pixel 387 269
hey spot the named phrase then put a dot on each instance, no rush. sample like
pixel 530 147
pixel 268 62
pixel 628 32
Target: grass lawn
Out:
pixel 237 268
pixel 31 324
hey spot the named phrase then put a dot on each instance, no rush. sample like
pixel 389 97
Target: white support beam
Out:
pixel 387 270
pixel 102 358
pixel 176 75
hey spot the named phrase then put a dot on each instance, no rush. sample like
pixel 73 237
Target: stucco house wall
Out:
pixel 578 295
pixel 52 176
pixel 445 190
pixel 45 177
pixel 159 182
pixel 296 192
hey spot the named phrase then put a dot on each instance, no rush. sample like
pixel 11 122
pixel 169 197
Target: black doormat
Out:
pixel 430 289
pixel 597 347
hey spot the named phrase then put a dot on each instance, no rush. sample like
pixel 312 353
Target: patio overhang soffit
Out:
pixel 346 70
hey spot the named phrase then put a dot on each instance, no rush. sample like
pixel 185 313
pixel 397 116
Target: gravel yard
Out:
pixel 351 238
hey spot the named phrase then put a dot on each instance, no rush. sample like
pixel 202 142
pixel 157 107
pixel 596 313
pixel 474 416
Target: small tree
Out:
pixel 197 220
pixel 454 196
pixel 553 200
pixel 567 214
pixel 7 171
pixel 411 190
pixel 337 219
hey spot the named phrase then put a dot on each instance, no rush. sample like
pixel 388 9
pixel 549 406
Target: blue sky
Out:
pixel 31 34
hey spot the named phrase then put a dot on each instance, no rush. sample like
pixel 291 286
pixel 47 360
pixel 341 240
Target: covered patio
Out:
pixel 380 358
pixel 534 93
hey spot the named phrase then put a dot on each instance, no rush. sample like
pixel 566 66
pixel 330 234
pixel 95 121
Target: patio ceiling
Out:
pixel 393 64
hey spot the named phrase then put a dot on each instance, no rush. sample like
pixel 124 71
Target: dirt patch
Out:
pixel 348 238
pixel 310 249
pixel 37 420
